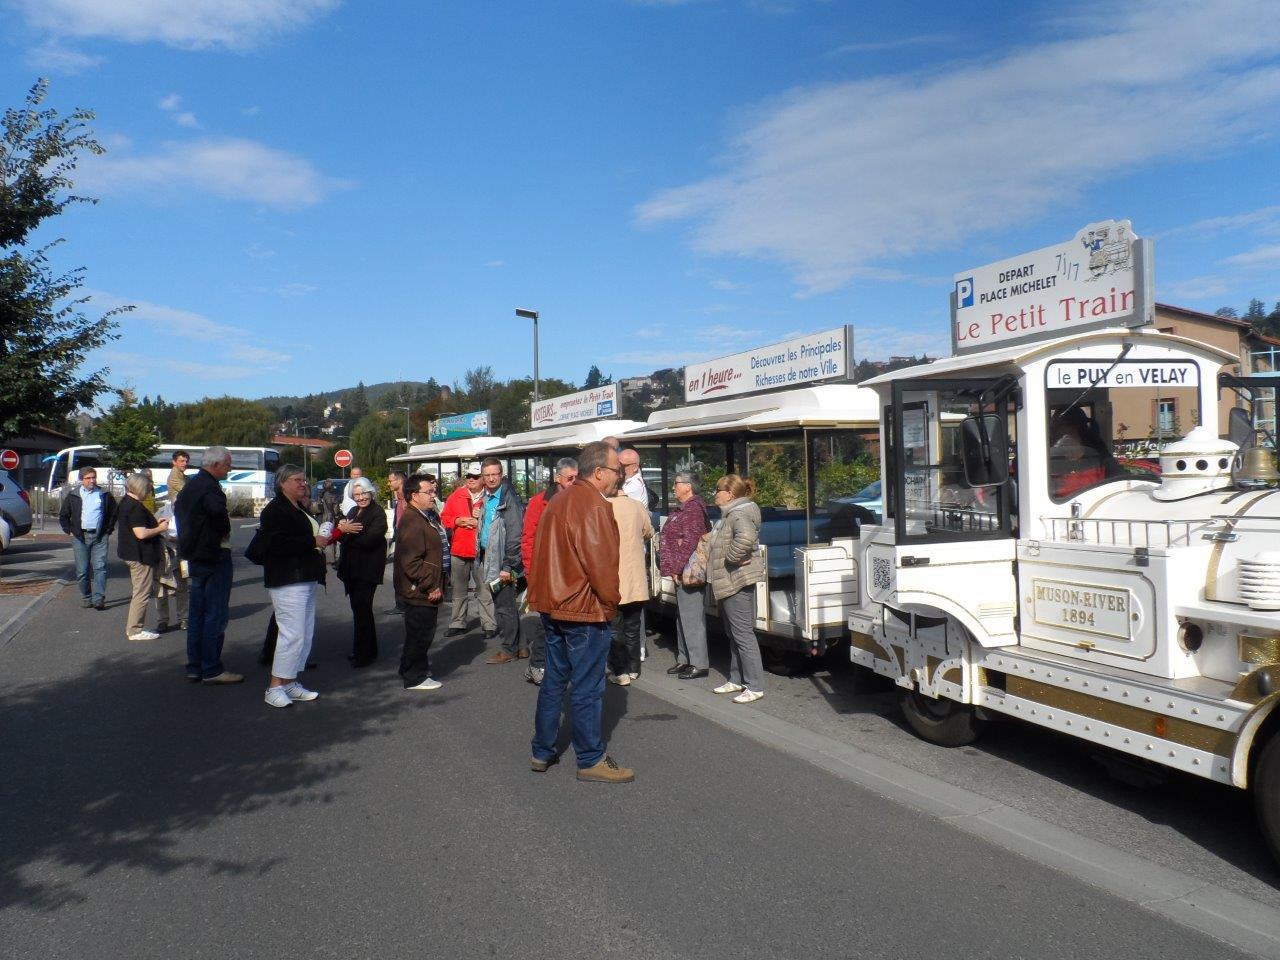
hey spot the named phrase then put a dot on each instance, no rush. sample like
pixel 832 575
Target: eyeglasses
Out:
pixel 614 469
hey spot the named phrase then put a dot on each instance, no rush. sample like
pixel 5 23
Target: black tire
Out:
pixel 940 721
pixel 1266 794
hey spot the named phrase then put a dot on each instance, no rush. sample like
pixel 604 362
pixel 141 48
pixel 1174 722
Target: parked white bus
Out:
pixel 252 475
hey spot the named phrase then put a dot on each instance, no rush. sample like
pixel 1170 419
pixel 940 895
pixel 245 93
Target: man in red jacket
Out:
pixel 461 517
pixel 566 473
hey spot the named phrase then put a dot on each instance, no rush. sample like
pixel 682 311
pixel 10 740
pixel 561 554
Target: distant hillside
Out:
pixel 374 391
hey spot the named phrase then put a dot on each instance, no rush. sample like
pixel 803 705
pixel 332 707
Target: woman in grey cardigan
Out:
pixel 734 567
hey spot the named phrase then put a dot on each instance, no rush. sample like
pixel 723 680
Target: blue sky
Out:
pixel 299 194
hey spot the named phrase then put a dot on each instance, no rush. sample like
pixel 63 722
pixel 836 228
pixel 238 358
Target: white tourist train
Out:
pixel 252 476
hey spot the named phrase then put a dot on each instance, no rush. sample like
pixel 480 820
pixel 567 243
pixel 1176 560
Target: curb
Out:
pixel 13 626
pixel 1206 907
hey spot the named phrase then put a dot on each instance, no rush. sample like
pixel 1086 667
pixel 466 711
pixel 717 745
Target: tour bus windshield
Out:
pixel 1115 430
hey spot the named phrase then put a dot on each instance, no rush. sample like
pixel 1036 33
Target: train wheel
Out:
pixel 1266 794
pixel 942 721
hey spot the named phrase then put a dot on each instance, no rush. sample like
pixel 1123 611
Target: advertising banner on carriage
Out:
pixel 459 426
pixel 816 358
pixel 1101 277
pixel 595 404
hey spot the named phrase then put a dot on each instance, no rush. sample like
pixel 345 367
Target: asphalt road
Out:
pixel 146 817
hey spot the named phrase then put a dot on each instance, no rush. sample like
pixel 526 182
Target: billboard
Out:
pixel 460 426
pixel 815 358
pixel 595 404
pixel 1101 277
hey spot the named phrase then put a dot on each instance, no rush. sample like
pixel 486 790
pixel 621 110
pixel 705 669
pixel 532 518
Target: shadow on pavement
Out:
pixel 118 766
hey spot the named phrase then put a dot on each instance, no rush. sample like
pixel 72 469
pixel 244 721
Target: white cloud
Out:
pixel 875 46
pixel 57 58
pixel 881 343
pixel 722 284
pixel 1264 256
pixel 726 334
pixel 170 326
pixel 257 251
pixel 295 289
pixel 231 168
pixel 649 333
pixel 186 119
pixel 126 364
pixel 171 102
pixel 251 111
pixel 495 264
pixel 1263 220
pixel 190 24
pixel 1196 288
pixel 830 180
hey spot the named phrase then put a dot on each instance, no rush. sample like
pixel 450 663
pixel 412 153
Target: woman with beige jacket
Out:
pixel 634 528
pixel 734 567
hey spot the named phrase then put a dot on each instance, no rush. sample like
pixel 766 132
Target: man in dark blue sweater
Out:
pixel 204 542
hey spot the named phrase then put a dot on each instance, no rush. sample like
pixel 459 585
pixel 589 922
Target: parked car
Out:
pixel 15 509
pixel 869 498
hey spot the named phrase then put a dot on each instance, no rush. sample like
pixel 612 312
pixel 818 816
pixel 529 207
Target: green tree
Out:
pixel 228 421
pixel 127 433
pixel 510 405
pixel 372 441
pixel 44 333
pixel 478 391
pixel 1256 313
pixel 595 379
pixel 355 407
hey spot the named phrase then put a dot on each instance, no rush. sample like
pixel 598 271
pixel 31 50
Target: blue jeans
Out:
pixel 91 557
pixel 208 598
pixel 576 654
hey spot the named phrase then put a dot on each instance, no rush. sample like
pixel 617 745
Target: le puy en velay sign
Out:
pixel 815 358
pixel 594 404
pixel 1101 277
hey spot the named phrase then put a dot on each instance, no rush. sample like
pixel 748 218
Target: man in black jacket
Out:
pixel 88 513
pixel 204 542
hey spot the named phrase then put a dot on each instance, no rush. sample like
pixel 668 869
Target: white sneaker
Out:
pixel 297 691
pixel 144 635
pixel 621 679
pixel 748 696
pixel 431 683
pixel 634 676
pixel 728 688
pixel 276 697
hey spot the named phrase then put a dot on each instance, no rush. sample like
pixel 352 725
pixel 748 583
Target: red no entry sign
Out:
pixel 9 459
pixel 343 458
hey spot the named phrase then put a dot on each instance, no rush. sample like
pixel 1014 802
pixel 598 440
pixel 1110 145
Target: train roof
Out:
pixel 562 437
pixel 448 450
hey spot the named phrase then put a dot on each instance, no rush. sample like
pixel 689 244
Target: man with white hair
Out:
pixel 204 543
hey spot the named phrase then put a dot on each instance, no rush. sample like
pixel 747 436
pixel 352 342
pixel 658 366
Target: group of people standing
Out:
pixel 579 547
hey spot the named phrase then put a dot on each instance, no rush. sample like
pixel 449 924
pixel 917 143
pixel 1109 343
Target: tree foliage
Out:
pixel 44 333
pixel 127 433
pixel 372 441
pixel 510 406
pixel 228 421
pixel 595 379
pixel 355 407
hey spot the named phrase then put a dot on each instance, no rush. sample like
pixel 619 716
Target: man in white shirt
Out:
pixel 633 484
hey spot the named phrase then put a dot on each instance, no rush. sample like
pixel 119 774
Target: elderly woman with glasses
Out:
pixel 361 563
pixel 293 565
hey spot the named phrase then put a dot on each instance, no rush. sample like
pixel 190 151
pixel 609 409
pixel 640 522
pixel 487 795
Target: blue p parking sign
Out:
pixel 964 292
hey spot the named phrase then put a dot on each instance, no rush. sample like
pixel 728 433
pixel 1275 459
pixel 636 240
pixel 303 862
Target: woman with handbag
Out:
pixel 361 563
pixel 290 547
pixel 734 567
pixel 686 525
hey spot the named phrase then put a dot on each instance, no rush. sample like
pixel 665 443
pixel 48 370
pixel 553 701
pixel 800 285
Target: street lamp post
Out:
pixel 532 315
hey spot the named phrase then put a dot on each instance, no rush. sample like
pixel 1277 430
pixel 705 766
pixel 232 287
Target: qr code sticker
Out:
pixel 881 574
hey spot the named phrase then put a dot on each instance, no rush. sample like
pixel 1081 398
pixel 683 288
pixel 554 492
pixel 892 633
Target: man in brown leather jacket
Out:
pixel 419 581
pixel 574 586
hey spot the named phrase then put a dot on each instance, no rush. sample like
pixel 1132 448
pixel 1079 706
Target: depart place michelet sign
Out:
pixel 1101 277
pixel 595 404
pixel 811 359
pixel 460 426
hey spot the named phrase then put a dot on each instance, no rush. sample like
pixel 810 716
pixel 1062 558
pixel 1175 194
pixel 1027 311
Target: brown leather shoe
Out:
pixel 607 771
pixel 522 654
pixel 542 766
pixel 226 676
pixel 501 657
